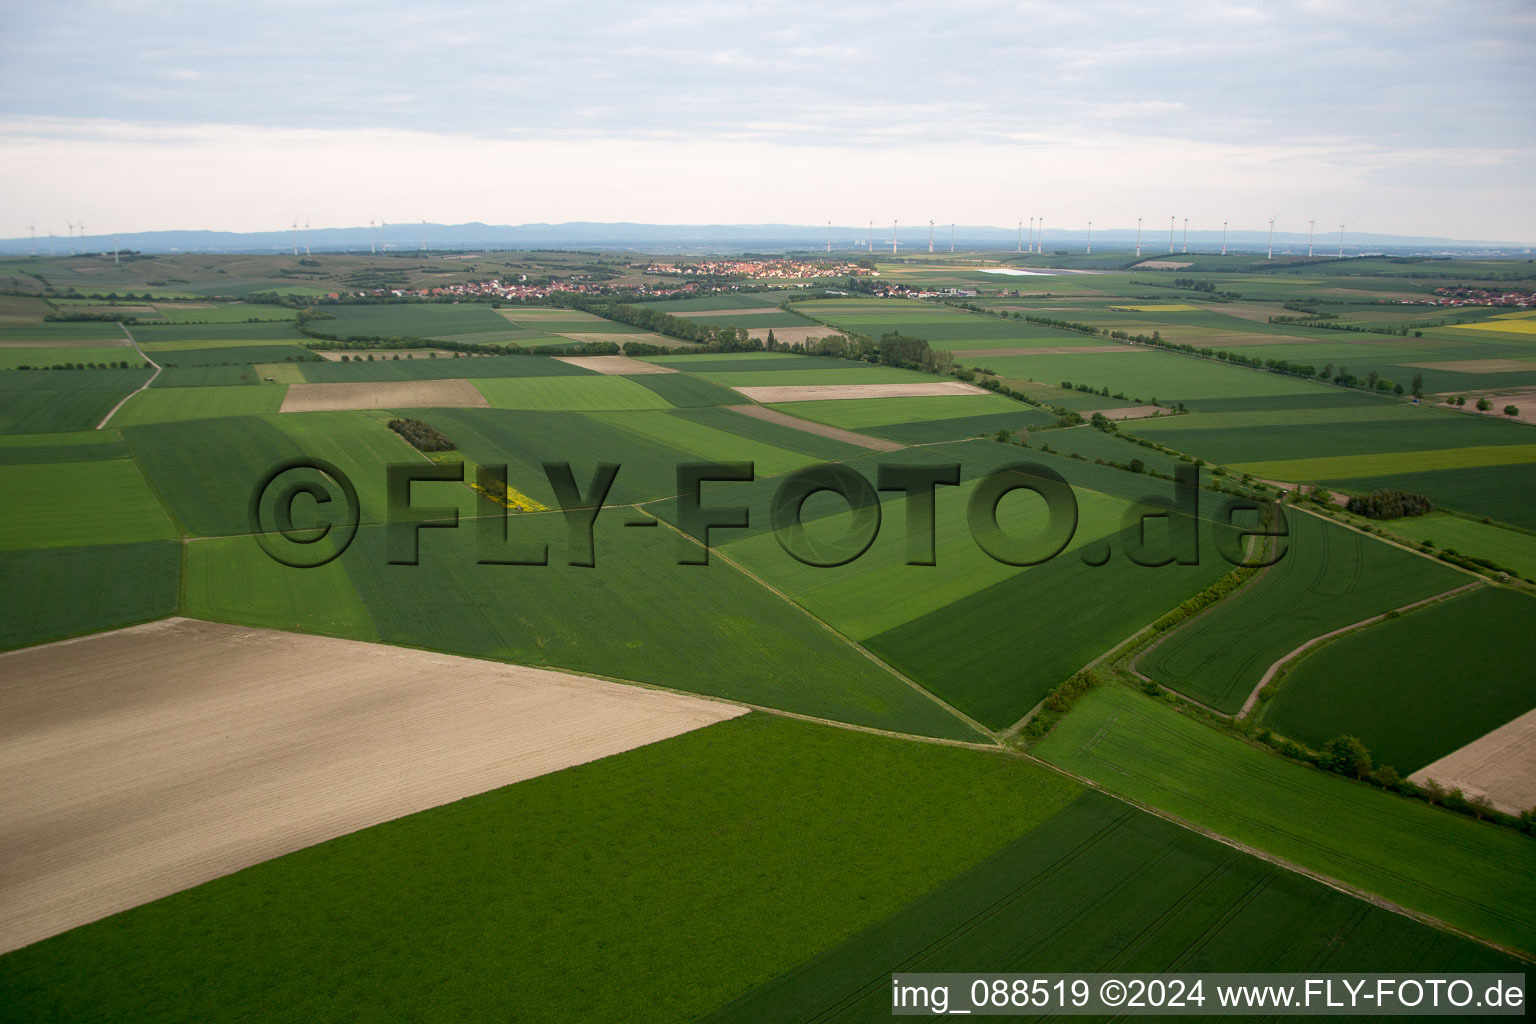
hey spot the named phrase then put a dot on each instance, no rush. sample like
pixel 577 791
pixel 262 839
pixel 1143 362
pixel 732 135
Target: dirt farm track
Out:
pixel 137 763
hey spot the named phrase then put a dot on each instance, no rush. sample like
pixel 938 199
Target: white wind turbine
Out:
pixel 1341 241
pixel 1186 234
pixel 1271 239
pixel 1138 238
pixel 1020 246
pixel 1170 235
pixel 1223 238
pixel 1090 239
pixel 1040 237
pixel 306 236
pixel 893 236
pixel 33 230
pixel 951 236
pixel 1311 229
pixel 930 236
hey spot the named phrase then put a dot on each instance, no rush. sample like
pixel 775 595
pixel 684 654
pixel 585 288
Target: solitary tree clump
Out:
pixel 1345 755
pixel 1483 405
pixel 1418 385
pixel 1511 410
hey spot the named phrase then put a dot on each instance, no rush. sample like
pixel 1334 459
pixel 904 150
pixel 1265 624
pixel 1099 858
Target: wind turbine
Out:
pixel 306 236
pixel 50 243
pixel 951 236
pixel 893 236
pixel 1311 228
pixel 869 246
pixel 114 249
pixel 829 236
pixel 1040 237
pixel 1271 239
pixel 384 245
pixel 373 248
pixel 1090 239
pixel 33 229
pixel 295 229
pixel 930 236
pixel 1170 235
pixel 1020 246
pixel 1138 238
pixel 69 226
pixel 1186 234
pixel 423 234
pixel 1341 241
pixel 1223 238
pixel 80 226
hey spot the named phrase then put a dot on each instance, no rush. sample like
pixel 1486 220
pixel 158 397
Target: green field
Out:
pixel 56 356
pixel 1328 578
pixel 1148 373
pixel 81 330
pixel 128 583
pixel 166 405
pixel 52 401
pixel 419 320
pixel 862 413
pixel 224 355
pixel 687 391
pixel 676 873
pixel 234 375
pixel 847 374
pixel 1103 887
pixel 1511 549
pixel 209 335
pixel 1479 490
pixel 557 394
pixel 1470 874
pixel 321 600
pixel 70 504
pixel 1344 467
pixel 1417 687
pixel 705 443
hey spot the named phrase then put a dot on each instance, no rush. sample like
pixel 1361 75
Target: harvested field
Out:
pixel 710 314
pixel 1053 350
pixel 1161 265
pixel 792 335
pixel 1500 766
pixel 1126 412
pixel 759 412
pixel 828 392
pixel 242 744
pixel 615 365
pixel 385 395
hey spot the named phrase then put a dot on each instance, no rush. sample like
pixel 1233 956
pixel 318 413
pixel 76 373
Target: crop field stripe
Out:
pixel 1059 897
pixel 860 648
pixel 1344 467
pixel 1470 876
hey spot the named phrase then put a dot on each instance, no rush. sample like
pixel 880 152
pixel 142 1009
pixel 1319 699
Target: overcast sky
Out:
pixel 1398 116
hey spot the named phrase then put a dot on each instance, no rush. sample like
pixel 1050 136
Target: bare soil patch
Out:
pixel 1160 265
pixel 1500 766
pixel 792 335
pixel 759 412
pixel 615 365
pixel 381 395
pixel 619 339
pixel 1125 412
pixel 826 392
pixel 138 763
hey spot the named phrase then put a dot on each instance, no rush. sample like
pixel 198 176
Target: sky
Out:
pixel 1409 117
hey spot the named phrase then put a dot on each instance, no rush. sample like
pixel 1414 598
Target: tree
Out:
pixel 1137 466
pixel 1483 405
pixel 1418 385
pixel 1480 806
pixel 1511 410
pixel 771 340
pixel 1345 755
pixel 1002 435
pixel 1461 400
pixel 1370 380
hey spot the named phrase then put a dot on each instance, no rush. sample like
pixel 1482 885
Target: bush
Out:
pixel 421 435
pixel 1390 505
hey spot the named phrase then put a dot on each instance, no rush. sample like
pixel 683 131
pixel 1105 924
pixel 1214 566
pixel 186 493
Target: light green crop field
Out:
pixel 1329 577
pixel 552 394
pixel 1512 549
pixel 270 594
pixel 867 374
pixel 1149 373
pixel 168 405
pixel 1345 467
pixel 79 503
pixel 706 443
pixel 1470 874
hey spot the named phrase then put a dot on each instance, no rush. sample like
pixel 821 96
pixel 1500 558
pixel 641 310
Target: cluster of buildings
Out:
pixel 782 270
pixel 1463 296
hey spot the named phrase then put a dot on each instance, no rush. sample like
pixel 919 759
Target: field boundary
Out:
pixel 1317 641
pixel 136 390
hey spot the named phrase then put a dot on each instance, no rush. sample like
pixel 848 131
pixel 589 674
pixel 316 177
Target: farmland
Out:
pixel 1330 577
pixel 896 781
pixel 1404 663
pixel 1467 873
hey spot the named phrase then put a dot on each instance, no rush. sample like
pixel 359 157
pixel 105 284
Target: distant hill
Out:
pixel 701 238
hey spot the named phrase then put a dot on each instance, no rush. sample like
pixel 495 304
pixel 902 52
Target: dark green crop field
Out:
pixel 128 583
pixel 1328 578
pixel 1413 688
pixel 53 401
